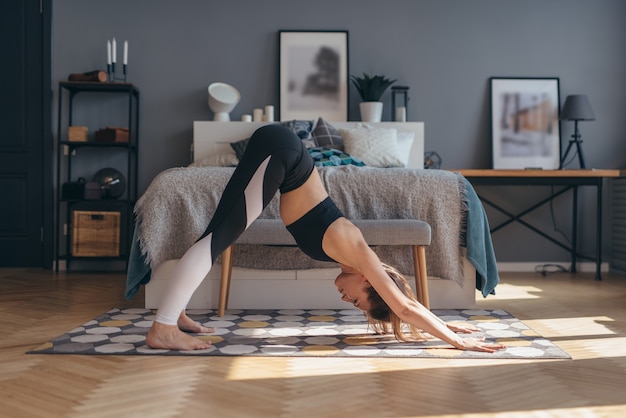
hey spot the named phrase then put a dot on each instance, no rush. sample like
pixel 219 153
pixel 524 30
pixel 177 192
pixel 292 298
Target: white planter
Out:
pixel 371 111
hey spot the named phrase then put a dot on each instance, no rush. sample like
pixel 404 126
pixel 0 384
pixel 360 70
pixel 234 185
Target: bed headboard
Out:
pixel 210 137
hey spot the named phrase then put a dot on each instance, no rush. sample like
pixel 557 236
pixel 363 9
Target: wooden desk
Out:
pixel 570 179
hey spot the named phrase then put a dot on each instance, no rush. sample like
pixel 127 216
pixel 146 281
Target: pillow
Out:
pixel 405 143
pixel 324 157
pixel 302 128
pixel 376 147
pixel 226 159
pixel 239 147
pixel 326 135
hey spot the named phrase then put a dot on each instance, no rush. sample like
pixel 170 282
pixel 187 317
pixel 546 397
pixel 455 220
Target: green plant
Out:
pixel 371 88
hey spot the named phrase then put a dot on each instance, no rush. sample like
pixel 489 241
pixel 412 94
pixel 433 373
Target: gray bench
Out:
pixel 376 232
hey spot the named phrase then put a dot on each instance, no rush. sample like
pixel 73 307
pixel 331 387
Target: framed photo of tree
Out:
pixel 313 75
pixel 525 128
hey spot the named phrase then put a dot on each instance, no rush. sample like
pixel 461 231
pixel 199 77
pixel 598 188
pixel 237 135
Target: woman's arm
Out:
pixel 344 243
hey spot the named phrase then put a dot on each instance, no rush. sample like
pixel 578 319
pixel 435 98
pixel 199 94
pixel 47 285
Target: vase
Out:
pixel 371 111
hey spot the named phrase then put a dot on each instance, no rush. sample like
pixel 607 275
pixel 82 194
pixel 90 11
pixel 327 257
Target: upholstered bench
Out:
pixel 376 232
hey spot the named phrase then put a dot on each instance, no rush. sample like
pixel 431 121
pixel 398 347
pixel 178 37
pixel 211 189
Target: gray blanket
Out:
pixel 178 204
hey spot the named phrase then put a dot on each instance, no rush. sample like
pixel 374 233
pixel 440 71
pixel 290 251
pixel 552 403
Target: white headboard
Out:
pixel 210 137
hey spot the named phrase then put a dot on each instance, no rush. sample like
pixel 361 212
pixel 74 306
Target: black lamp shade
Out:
pixel 577 107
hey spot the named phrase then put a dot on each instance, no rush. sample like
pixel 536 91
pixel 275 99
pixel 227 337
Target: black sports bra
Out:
pixel 309 230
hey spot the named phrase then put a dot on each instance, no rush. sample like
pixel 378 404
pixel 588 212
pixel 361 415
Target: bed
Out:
pixel 176 207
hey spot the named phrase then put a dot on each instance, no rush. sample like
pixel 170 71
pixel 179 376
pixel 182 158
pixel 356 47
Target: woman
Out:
pixel 275 159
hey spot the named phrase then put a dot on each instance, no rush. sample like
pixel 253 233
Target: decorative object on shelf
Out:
pixel 112 134
pixel 432 160
pixel 268 116
pixel 398 108
pixel 313 75
pixel 96 76
pixel 77 133
pixel 222 100
pixel 525 123
pixel 576 108
pixel 112 183
pixel 371 90
pixel 112 58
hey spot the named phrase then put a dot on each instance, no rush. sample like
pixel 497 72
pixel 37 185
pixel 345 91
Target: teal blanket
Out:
pixel 479 245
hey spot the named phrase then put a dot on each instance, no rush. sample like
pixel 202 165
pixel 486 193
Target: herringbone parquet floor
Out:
pixel 584 317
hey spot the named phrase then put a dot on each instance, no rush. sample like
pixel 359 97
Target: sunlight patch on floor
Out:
pixel 506 291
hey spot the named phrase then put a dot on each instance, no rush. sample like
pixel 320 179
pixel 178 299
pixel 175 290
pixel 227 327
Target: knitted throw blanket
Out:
pixel 178 204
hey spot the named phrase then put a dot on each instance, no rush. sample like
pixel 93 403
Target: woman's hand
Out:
pixel 464 329
pixel 479 344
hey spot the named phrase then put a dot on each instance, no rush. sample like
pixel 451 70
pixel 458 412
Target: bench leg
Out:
pixel 421 277
pixel 227 270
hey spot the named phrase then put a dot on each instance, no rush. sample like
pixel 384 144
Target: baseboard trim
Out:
pixel 531 266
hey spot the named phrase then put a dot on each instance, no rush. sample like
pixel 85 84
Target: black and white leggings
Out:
pixel 274 159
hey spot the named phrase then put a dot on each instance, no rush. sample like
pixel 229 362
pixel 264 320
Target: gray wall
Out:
pixel 444 50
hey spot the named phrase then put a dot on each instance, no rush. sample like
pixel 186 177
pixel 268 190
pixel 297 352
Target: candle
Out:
pixel 257 115
pixel 108 52
pixel 125 52
pixel 114 57
pixel 269 113
pixel 246 118
pixel 401 114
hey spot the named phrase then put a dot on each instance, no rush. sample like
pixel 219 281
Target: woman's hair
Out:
pixel 382 319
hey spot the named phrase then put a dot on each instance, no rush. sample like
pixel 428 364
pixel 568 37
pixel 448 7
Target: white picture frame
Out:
pixel 525 127
pixel 313 75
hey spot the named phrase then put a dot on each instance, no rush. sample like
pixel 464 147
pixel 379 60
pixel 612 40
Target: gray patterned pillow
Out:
pixel 326 135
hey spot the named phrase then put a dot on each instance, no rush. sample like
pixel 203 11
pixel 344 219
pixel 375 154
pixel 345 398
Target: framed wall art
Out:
pixel 525 128
pixel 313 75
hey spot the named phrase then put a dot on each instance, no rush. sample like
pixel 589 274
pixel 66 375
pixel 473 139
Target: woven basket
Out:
pixel 95 234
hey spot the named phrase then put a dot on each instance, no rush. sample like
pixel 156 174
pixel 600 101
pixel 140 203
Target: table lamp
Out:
pixel 576 108
pixel 222 99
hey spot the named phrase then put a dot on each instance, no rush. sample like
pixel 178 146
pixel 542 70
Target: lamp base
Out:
pixel 221 117
pixel 579 149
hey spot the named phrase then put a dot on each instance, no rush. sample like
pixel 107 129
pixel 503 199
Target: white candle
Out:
pixel 108 52
pixel 401 114
pixel 114 57
pixel 125 52
pixel 269 113
pixel 257 115
pixel 246 118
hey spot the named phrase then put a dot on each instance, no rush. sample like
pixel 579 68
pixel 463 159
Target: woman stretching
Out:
pixel 275 159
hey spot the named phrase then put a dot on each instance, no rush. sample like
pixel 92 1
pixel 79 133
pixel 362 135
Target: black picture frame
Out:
pixel 313 74
pixel 525 128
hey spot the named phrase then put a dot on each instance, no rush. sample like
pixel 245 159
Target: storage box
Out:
pixel 95 233
pixel 112 134
pixel 77 134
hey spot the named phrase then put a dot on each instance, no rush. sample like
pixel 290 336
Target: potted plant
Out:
pixel 371 89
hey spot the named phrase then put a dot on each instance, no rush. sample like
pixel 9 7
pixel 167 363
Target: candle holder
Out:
pixel 398 114
pixel 111 75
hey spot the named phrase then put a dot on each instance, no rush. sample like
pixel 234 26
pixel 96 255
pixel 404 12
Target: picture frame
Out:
pixel 313 75
pixel 525 128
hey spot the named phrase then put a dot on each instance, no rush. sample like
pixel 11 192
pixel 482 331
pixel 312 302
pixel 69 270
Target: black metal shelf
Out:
pixel 124 205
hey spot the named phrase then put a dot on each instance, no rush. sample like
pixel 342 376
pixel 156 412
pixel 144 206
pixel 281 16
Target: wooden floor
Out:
pixel 584 317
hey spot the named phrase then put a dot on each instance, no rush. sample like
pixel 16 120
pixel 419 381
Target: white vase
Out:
pixel 371 111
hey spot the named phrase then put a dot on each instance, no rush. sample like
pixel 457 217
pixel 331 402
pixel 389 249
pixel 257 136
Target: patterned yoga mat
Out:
pixel 315 333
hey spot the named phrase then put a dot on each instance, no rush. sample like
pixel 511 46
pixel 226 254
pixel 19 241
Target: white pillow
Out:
pixel 376 147
pixel 405 143
pixel 224 159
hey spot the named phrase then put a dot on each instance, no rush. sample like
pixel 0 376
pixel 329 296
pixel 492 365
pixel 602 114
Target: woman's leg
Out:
pixel 271 154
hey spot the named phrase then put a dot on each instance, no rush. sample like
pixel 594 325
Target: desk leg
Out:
pixel 574 230
pixel 599 230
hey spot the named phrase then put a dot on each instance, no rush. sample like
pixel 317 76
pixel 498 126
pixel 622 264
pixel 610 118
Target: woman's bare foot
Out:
pixel 189 325
pixel 170 337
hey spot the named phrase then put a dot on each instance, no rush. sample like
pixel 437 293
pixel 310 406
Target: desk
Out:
pixel 570 179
